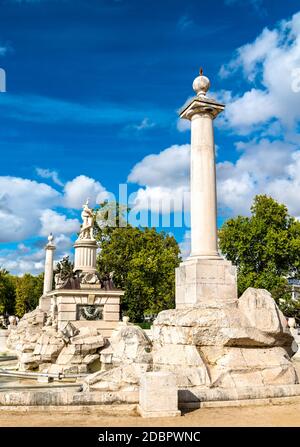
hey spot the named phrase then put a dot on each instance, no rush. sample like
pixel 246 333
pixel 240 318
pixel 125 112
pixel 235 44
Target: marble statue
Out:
pixel 86 231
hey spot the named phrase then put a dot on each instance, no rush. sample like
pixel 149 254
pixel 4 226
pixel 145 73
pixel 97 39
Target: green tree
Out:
pixel 64 267
pixel 143 262
pixel 265 247
pixel 29 288
pixel 7 293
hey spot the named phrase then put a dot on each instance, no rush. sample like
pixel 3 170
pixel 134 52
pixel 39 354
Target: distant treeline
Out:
pixel 19 294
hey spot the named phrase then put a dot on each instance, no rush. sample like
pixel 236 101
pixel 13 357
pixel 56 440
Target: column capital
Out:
pixel 50 245
pixel 201 106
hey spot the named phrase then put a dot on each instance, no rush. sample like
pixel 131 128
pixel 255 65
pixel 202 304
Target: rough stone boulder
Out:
pixel 246 343
pixel 125 378
pixel 23 338
pixel 77 356
pixel 130 356
pixel 43 347
pixel 263 314
pixel 129 343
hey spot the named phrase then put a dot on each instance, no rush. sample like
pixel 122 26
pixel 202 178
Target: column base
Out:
pixel 200 280
pixel 158 414
pixel 45 303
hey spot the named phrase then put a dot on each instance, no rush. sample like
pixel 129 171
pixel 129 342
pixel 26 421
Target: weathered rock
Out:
pixel 125 378
pixel 28 330
pixel 225 346
pixel 130 355
pixel 129 343
pixel 263 314
pixel 39 346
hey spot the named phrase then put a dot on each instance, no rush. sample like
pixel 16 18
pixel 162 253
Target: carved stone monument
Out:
pixel 81 298
pixel 86 248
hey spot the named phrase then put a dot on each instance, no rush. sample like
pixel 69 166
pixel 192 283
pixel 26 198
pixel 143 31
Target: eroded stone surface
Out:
pixel 47 349
pixel 217 345
pixel 130 355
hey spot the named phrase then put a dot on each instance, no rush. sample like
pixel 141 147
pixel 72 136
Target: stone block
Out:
pixel 44 379
pixel 199 280
pixel 158 395
pixel 67 307
pixel 111 316
pixel 112 308
pixel 67 316
pixel 91 299
pixel 177 355
pixel 66 299
pixel 90 358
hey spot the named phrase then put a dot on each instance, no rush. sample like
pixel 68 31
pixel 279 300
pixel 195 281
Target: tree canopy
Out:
pixel 143 262
pixel 7 292
pixel 265 247
pixel 29 288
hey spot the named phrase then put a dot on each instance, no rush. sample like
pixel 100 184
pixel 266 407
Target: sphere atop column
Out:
pixel 50 243
pixel 201 84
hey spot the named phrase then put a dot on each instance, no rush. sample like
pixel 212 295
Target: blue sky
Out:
pixel 93 90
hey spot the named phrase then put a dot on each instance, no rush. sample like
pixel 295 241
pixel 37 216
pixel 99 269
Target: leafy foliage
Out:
pixel 7 293
pixel 143 262
pixel 29 288
pixel 64 268
pixel 265 247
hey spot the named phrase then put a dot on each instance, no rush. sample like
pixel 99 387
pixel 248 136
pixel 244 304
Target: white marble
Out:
pixel 205 275
pixel 158 395
pixel 201 111
pixel 48 278
pixel 86 245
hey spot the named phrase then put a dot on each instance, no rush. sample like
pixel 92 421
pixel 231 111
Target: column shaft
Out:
pixel 48 278
pixel 203 188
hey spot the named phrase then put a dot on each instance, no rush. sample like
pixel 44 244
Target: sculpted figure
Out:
pixel 86 231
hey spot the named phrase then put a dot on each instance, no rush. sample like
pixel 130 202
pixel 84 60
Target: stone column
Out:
pixel 48 278
pixel 201 112
pixel 85 255
pixel 205 275
pixel 203 187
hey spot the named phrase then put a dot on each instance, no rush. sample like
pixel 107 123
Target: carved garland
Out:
pixel 91 312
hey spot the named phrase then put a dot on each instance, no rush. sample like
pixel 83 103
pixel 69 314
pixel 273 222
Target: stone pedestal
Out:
pixel 198 281
pixel 85 255
pixel 158 395
pixel 90 307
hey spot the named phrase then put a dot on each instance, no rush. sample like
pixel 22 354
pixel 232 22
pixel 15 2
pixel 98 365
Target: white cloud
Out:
pixel 27 211
pixel 47 173
pixel 168 168
pixel 27 207
pixel 185 245
pixel 164 178
pixel 31 259
pixel 81 188
pixel 183 125
pixel 55 223
pixel 22 202
pixel 146 123
pixel 270 64
pixel 264 167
